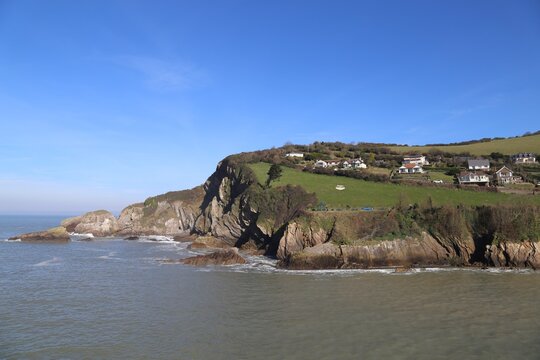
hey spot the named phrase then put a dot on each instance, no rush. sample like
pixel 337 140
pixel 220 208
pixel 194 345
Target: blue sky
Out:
pixel 104 103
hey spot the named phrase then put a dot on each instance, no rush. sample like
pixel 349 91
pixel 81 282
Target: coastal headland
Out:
pixel 360 210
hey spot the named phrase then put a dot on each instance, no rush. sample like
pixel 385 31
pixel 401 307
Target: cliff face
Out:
pixel 225 212
pixel 171 214
pixel 342 240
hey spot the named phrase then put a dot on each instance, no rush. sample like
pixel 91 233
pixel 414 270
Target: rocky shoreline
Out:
pixel 232 211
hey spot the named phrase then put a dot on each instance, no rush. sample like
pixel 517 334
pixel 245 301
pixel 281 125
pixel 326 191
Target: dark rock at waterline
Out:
pixel 222 257
pixel 208 242
pixel 132 238
pixel 184 238
pixel 54 235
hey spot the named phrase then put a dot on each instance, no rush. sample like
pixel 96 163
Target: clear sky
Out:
pixel 104 103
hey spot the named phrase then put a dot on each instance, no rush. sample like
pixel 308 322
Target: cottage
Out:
pixel 345 164
pixel 415 159
pixel 472 178
pixel 478 164
pixel 411 169
pixel 333 163
pixel 320 164
pixel 524 158
pixel 294 154
pixel 358 164
pixel 503 176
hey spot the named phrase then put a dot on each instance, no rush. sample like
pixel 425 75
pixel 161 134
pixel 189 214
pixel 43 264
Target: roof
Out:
pixel 410 166
pixel 523 155
pixel 501 170
pixel 478 162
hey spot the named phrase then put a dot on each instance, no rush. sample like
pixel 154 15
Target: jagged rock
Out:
pixel 296 238
pixel 222 257
pixel 208 242
pixel 224 210
pixel 57 234
pixel 506 254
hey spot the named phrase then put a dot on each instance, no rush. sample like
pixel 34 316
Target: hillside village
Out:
pixel 515 172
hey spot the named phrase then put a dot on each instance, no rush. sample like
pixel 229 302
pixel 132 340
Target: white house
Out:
pixel 478 164
pixel 505 176
pixel 524 158
pixel 476 177
pixel 294 154
pixel 411 169
pixel 333 163
pixel 415 159
pixel 345 164
pixel 358 164
pixel 320 164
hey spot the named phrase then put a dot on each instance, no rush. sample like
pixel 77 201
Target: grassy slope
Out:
pixel 359 193
pixel 506 146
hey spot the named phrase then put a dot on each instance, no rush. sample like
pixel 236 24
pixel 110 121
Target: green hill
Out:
pixel 505 146
pixel 359 193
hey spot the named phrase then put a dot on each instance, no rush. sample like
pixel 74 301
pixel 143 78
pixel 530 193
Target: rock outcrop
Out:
pixel 222 257
pixel 98 223
pixel 225 213
pixel 524 254
pixel 208 242
pixel 419 251
pixel 296 238
pixel 170 214
pixel 54 235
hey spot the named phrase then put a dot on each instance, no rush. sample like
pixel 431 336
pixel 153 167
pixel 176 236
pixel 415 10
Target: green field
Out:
pixel 505 146
pixel 359 193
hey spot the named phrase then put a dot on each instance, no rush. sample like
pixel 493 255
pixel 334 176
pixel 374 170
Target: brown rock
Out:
pixel 222 257
pixel 208 242
pixel 507 254
pixel 184 238
pixel 57 234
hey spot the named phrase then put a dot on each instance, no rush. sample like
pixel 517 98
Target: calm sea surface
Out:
pixel 112 299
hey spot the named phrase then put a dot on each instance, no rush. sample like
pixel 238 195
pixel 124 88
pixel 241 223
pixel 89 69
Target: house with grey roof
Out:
pixel 478 164
pixel 524 158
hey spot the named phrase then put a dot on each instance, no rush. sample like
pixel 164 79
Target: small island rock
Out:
pixel 57 234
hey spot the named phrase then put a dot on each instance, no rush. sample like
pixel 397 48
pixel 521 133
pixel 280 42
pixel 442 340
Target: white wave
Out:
pixel 54 261
pixel 89 235
pixel 8 240
pixel 156 238
pixel 109 256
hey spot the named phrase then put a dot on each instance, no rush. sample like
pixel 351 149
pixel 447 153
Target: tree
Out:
pixel 274 173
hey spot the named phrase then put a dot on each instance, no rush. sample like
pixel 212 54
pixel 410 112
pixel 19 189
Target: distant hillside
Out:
pixel 508 146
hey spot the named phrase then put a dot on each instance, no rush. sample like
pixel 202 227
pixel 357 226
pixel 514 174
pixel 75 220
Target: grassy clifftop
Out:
pixel 359 193
pixel 504 146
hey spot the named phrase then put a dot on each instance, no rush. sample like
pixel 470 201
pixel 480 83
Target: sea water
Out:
pixel 114 299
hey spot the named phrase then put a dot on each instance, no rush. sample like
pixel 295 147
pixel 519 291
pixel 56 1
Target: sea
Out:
pixel 114 299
